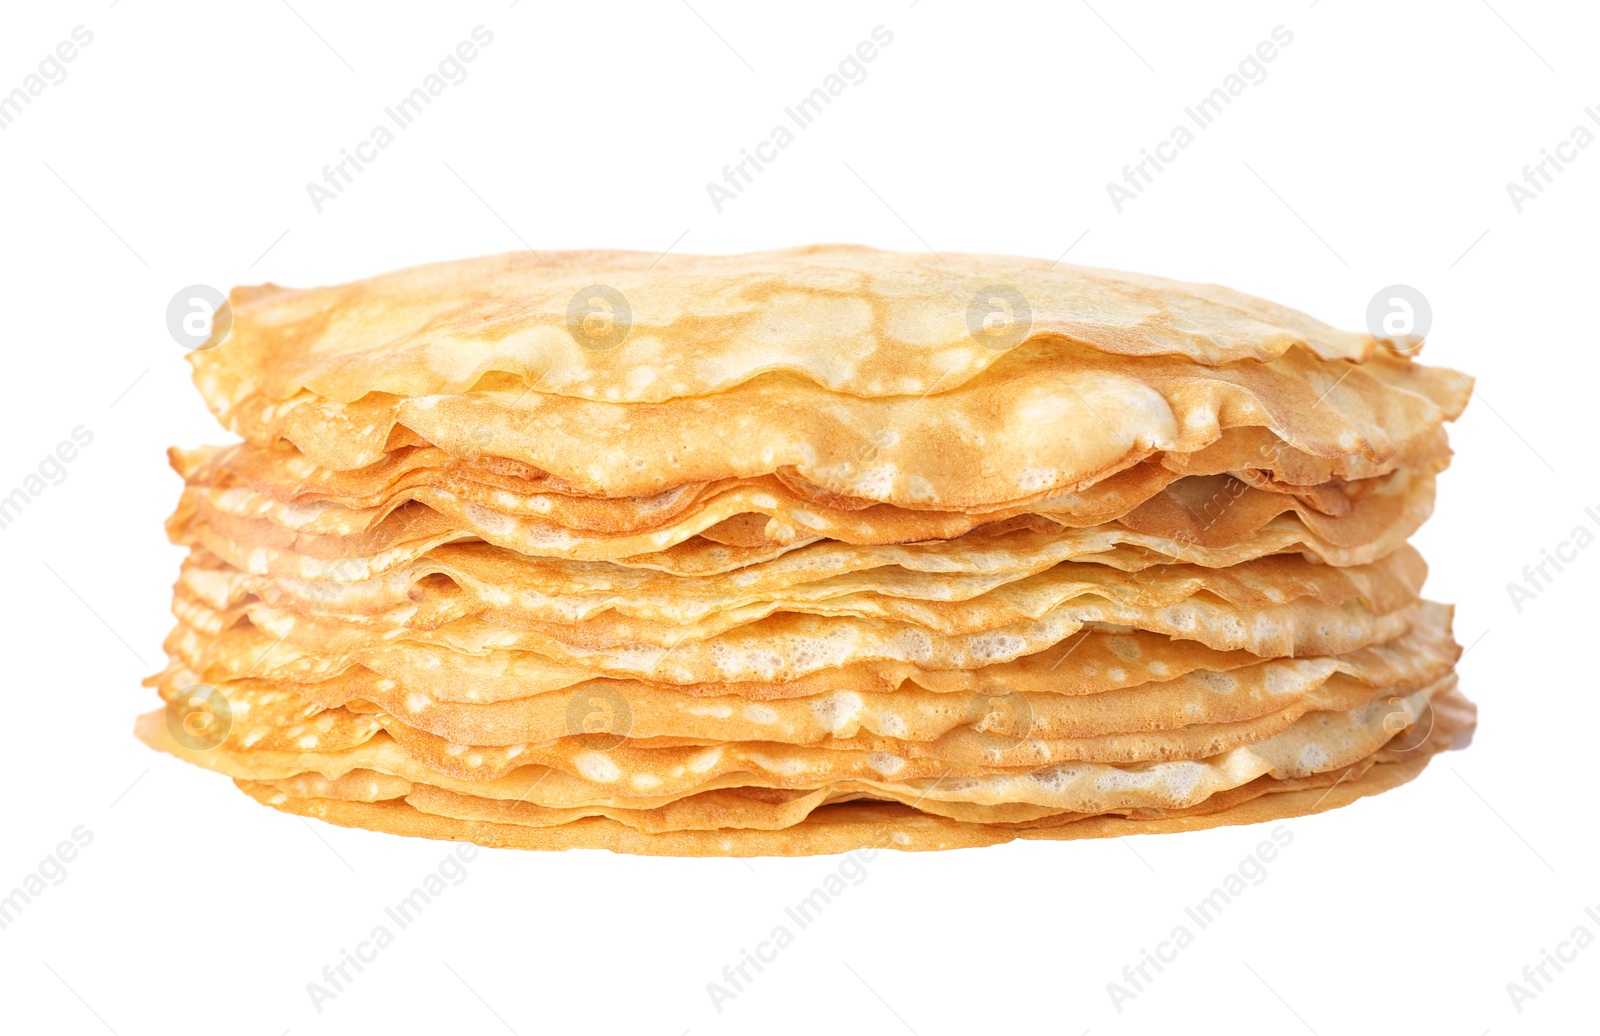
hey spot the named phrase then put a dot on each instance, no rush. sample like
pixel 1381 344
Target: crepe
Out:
pixel 977 445
pixel 804 551
pixel 667 610
pixel 1053 709
pixel 589 770
pixel 831 829
pixel 839 828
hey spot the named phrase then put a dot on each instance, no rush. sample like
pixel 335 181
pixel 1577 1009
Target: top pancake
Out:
pixel 859 321
pixel 876 375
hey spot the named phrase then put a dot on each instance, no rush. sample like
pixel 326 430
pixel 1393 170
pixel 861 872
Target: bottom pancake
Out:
pixel 845 826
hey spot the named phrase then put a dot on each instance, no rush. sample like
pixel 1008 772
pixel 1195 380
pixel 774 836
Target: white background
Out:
pixel 1377 151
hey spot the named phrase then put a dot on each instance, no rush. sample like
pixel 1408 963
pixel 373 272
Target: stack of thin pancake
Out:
pixel 803 551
